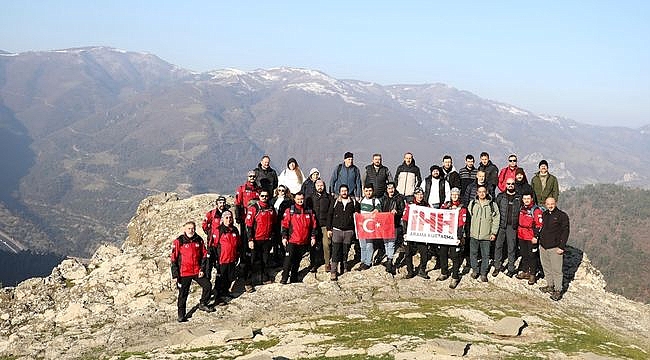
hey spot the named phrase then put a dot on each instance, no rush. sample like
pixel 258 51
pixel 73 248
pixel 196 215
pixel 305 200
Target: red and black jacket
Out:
pixel 211 221
pixel 227 241
pixel 298 225
pixel 245 193
pixel 259 221
pixel 463 225
pixel 530 222
pixel 189 256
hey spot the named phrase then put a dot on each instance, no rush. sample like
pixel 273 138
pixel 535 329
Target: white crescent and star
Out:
pixel 365 225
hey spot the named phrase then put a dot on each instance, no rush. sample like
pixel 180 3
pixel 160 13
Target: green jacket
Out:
pixel 484 219
pixel 551 190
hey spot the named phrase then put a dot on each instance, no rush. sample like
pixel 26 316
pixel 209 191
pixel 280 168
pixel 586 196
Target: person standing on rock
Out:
pixel 394 203
pixel 369 204
pixel 509 203
pixel 491 174
pixel 321 201
pixel 408 176
pixel 467 174
pixel 298 231
pixel 413 247
pixel 259 228
pixel 377 175
pixel 227 244
pixel 189 261
pixel 508 172
pixel 211 221
pixel 340 228
pixel 553 238
pixel 455 252
pixel 246 194
pixel 484 225
pixel 530 224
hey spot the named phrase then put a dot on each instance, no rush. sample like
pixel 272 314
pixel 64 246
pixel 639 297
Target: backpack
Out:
pixel 338 170
pixel 471 209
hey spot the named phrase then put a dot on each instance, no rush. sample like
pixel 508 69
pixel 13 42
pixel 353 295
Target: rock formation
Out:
pixel 121 303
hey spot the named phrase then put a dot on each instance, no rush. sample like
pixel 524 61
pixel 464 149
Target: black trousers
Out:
pixel 529 257
pixel 417 247
pixel 292 259
pixel 450 251
pixel 225 277
pixel 260 260
pixel 183 284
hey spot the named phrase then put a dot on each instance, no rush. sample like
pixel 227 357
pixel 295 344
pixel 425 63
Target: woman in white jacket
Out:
pixel 292 177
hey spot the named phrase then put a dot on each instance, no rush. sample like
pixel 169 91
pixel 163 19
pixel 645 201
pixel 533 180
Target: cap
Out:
pixel 434 167
pixel 418 190
pixel 348 155
pixel 221 198
pixel 455 190
pixel 543 162
pixel 313 170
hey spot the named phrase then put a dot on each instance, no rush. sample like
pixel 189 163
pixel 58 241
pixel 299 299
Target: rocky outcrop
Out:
pixel 122 302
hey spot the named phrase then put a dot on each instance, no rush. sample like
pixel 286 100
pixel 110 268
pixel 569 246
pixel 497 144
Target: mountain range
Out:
pixel 86 133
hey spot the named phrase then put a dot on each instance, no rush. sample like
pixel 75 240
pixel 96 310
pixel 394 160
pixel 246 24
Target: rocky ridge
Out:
pixel 122 304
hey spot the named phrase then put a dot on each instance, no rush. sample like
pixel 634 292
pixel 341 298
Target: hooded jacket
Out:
pixel 298 225
pixel 530 222
pixel 259 221
pixel 491 174
pixel 484 219
pixel 227 240
pixel 551 189
pixel 407 178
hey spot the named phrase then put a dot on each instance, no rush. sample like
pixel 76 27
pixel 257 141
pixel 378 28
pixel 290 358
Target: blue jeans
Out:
pixel 367 248
pixel 484 246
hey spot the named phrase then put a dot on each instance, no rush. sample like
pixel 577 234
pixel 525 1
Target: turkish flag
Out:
pixel 380 225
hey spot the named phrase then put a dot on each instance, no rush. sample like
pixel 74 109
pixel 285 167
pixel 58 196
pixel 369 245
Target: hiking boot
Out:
pixel 436 266
pixel 363 266
pixel 423 275
pixel 510 274
pixel 328 268
pixel 181 319
pixel 556 296
pixel 474 275
pixel 454 283
pixel 496 271
pixel 484 278
pixel 249 288
pixel 523 276
pixel 546 289
pixel 206 308
pixel 333 277
pixel 313 269
pixel 268 282
pixel 532 280
pixel 389 267
pixel 409 275
pixel 442 277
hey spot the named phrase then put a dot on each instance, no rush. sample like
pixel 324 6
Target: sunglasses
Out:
pixel 510 183
pixel 511 160
pixel 280 190
pixel 264 196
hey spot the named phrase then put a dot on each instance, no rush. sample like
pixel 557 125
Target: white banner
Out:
pixel 430 225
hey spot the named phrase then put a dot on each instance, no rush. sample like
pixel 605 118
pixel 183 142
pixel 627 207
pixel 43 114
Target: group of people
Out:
pixel 279 219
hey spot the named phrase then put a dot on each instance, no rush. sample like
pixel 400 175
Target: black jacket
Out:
pixel 340 218
pixel 502 203
pixel 266 179
pixel 378 178
pixel 321 203
pixel 441 188
pixel 491 174
pixel 398 203
pixel 555 229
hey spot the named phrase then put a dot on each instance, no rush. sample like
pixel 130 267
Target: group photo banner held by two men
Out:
pixel 378 225
pixel 430 225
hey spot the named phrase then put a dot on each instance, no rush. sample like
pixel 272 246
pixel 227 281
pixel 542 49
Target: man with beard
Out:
pixel 211 221
pixel 449 173
pixel 298 231
pixel 259 226
pixel 377 175
pixel 321 201
pixel 407 176
pixel 394 203
pixel 467 174
pixel 266 177
pixel 484 225
pixel 189 260
pixel 509 204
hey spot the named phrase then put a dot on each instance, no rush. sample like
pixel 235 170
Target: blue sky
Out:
pixel 586 60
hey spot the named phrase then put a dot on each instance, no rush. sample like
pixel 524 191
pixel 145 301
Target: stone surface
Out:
pixel 508 326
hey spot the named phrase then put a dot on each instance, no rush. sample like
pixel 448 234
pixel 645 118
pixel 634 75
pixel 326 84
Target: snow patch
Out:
pixel 510 109
pixel 500 138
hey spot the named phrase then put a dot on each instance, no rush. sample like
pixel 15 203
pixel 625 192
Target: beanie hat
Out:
pixel 543 162
pixel 434 167
pixel 348 155
pixel 520 171
pixel 313 170
pixel 418 190
pixel 455 190
pixel 292 160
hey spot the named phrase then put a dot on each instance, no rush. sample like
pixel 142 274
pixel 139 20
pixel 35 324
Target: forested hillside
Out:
pixel 611 223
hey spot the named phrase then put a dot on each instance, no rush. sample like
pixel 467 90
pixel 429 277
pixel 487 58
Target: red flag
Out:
pixel 379 225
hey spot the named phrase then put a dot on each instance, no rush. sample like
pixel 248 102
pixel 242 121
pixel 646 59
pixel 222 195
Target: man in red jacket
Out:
pixel 245 194
pixel 259 228
pixel 298 232
pixel 507 172
pixel 530 224
pixel 210 224
pixel 454 252
pixel 189 262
